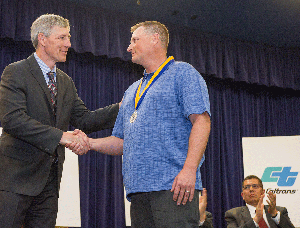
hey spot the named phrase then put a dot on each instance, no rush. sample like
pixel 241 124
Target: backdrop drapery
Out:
pixel 254 91
pixel 104 32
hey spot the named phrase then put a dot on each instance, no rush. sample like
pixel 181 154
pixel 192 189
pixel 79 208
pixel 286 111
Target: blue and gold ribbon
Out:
pixel 140 97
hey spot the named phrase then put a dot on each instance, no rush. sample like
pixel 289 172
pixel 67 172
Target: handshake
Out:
pixel 77 141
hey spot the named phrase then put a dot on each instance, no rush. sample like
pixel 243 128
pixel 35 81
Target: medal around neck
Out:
pixel 140 97
pixel 133 116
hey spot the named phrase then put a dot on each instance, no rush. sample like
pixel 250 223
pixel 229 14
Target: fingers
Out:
pixel 76 148
pixel 182 193
pixel 259 209
pixel 78 142
pixel 82 137
pixel 204 193
pixel 272 196
pixel 260 202
pixel 192 194
pixel 272 203
pixel 203 198
pixel 184 186
pixel 203 202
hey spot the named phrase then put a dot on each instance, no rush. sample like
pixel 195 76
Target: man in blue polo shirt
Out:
pixel 162 130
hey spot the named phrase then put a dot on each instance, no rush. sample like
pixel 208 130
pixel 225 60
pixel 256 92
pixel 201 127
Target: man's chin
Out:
pixel 133 60
pixel 63 59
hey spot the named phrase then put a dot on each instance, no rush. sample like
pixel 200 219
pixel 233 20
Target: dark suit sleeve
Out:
pixel 234 220
pixel 91 121
pixel 285 221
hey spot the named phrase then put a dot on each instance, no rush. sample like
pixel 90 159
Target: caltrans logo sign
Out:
pixel 282 175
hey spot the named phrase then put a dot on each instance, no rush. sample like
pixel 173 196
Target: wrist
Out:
pixel 256 219
pixel 190 167
pixel 202 217
pixel 92 143
pixel 274 215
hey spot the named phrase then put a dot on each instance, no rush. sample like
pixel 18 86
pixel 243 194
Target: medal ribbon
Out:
pixel 139 98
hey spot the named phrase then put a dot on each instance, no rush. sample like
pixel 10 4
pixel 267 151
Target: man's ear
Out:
pixel 41 39
pixel 155 38
pixel 242 194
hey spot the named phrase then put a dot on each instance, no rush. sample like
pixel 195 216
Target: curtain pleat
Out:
pixel 253 92
pixel 107 33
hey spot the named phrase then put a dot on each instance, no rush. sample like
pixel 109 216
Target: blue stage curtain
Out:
pixel 241 110
pixel 238 110
pixel 254 91
pixel 103 32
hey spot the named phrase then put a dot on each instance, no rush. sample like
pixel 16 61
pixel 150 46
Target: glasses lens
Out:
pixel 254 186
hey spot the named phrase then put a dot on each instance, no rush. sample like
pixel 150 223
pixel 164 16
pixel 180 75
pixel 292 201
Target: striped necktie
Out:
pixel 53 89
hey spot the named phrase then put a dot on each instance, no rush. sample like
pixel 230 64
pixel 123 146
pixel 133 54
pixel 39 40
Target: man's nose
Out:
pixel 129 48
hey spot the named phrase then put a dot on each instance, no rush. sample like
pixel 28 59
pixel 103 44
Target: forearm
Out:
pixel 110 145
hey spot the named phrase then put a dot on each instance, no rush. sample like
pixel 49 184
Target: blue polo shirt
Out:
pixel 156 143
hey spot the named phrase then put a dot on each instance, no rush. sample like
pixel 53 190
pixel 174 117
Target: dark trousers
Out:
pixel 158 210
pixel 31 211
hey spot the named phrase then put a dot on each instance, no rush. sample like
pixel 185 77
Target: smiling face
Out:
pixel 55 46
pixel 140 46
pixel 252 191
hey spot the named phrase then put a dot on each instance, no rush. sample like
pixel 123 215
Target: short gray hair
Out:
pixel 152 27
pixel 44 24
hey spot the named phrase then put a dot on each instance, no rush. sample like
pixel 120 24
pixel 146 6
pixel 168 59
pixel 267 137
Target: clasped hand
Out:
pixel 77 141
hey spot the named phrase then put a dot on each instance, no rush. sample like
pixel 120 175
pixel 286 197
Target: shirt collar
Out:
pixel 45 69
pixel 147 75
pixel 251 209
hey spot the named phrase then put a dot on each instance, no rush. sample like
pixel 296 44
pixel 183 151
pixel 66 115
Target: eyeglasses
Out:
pixel 254 186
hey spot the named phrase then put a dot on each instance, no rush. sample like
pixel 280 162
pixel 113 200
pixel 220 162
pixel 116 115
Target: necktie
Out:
pixel 53 89
pixel 262 223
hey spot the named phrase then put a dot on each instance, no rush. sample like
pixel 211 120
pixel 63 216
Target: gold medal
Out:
pixel 133 117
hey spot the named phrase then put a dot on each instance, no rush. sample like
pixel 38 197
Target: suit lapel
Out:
pixel 59 97
pixel 245 214
pixel 38 75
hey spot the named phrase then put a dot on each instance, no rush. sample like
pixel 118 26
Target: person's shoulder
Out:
pixel 134 85
pixel 183 65
pixel 16 66
pixel 59 71
pixel 19 63
pixel 281 209
pixel 235 210
pixel 185 69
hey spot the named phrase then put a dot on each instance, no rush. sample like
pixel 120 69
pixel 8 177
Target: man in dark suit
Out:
pixel 255 214
pixel 35 119
pixel 206 219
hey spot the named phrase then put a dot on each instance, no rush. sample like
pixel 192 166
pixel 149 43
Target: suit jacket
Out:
pixel 240 217
pixel 31 133
pixel 208 223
